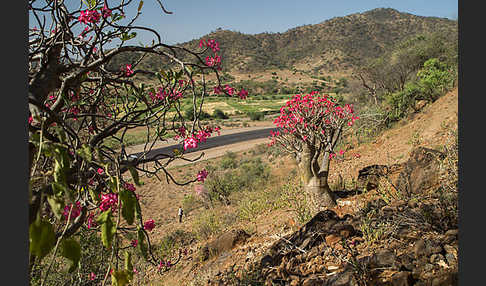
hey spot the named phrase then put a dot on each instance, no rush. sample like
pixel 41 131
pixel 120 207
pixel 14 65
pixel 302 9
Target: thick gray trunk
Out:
pixel 316 187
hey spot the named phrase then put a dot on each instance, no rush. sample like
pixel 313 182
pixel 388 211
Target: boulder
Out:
pixel 420 172
pixel 222 243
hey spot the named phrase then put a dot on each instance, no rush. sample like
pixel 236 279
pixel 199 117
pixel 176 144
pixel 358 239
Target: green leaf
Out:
pixel 120 278
pixel 108 228
pixel 41 237
pixel 135 177
pixel 128 264
pixel 95 196
pixel 141 243
pixel 140 5
pixel 85 153
pixel 57 205
pixel 128 205
pixel 71 249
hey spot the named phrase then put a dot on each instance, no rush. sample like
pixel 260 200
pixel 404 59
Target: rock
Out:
pixel 383 258
pixel 452 232
pixel 428 267
pixel 435 258
pixel 222 243
pixel 445 279
pixel 345 278
pixel 332 239
pixel 369 176
pixel 419 248
pixel 451 259
pixel 402 278
pixel 294 280
pixel 420 172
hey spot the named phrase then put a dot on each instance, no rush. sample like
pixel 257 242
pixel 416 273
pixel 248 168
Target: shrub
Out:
pixel 189 203
pixel 256 115
pixel 218 113
pixel 435 78
pixel 206 224
pixel 173 241
pixel 229 160
pixel 292 197
pixel 189 115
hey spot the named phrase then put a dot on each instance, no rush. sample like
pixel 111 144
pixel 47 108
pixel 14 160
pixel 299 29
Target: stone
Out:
pixel 428 267
pixel 222 243
pixel 419 248
pixel 445 279
pixel 420 172
pixel 332 239
pixel 402 278
pixel 451 260
pixel 294 280
pixel 369 176
pixel 383 258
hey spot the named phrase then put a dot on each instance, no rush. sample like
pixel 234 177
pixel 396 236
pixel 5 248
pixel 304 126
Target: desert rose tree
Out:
pixel 309 127
pixel 82 107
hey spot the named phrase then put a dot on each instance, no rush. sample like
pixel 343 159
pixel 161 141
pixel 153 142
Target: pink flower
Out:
pixel 92 276
pixel 106 12
pixel 190 142
pixel 149 225
pixel 243 93
pixel 30 119
pixel 130 187
pixel 108 201
pixel 90 221
pixel 357 155
pixel 89 16
pixel 229 89
pixel 202 175
pixel 200 189
pixel 128 70
pixel 134 243
pixel 100 171
pixel 218 90
pixel 341 152
pixel 135 270
pixel 74 213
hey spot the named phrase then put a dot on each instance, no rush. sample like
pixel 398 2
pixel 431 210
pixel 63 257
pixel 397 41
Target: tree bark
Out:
pixel 316 187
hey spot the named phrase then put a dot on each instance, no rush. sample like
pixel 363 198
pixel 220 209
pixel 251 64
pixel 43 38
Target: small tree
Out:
pixel 309 128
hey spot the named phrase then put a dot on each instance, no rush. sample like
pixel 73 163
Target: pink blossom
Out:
pixel 92 276
pixel 218 90
pixel 135 270
pixel 229 89
pixel 130 187
pixel 134 243
pixel 108 201
pixel 100 171
pixel 341 152
pixel 190 142
pixel 90 221
pixel 128 70
pixel 31 119
pixel 149 225
pixel 89 16
pixel 106 12
pixel 74 213
pixel 243 93
pixel 202 175
pixel 200 190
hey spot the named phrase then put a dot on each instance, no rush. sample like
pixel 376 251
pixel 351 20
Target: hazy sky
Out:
pixel 194 18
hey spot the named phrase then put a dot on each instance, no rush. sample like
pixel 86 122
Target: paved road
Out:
pixel 211 142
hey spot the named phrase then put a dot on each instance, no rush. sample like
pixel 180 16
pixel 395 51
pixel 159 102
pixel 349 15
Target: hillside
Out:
pixel 427 128
pixel 337 44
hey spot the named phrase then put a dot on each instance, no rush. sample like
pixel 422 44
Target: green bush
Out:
pixel 229 160
pixel 189 203
pixel 256 116
pixel 218 113
pixel 189 115
pixel 435 78
pixel 206 224
pixel 173 241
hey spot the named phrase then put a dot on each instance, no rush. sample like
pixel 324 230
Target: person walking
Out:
pixel 180 213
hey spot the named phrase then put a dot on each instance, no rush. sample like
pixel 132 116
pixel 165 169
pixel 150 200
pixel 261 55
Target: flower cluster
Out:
pixel 128 70
pixel 89 16
pixel 129 187
pixel 74 213
pixel 212 61
pixel 149 225
pixel 108 201
pixel 202 175
pixel 210 44
pixel 312 117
